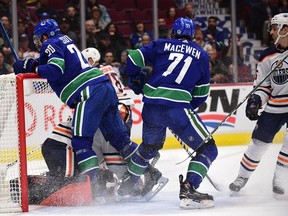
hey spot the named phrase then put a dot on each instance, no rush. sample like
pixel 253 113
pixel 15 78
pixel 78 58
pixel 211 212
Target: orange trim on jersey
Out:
pixel 249 164
pixel 63 130
pixel 268 56
pixel 282 159
pixel 69 162
pixel 113 159
pixel 279 100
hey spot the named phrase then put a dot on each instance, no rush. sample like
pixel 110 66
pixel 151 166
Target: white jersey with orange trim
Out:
pixel 274 90
pixel 118 86
pixel 107 155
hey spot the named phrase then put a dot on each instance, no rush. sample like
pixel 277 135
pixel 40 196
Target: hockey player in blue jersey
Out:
pixel 178 84
pixel 82 87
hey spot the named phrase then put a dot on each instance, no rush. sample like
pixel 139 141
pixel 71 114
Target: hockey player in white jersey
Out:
pixel 273 94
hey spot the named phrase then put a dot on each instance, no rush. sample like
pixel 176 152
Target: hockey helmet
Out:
pixel 48 27
pixel 91 53
pixel 280 20
pixel 183 27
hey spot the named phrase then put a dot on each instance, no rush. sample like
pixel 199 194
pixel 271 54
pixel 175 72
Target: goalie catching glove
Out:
pixel 253 105
pixel 25 66
pixel 137 82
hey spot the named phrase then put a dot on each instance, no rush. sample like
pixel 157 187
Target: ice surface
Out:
pixel 255 199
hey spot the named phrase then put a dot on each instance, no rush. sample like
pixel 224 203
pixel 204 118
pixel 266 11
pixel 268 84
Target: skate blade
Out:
pixel 190 204
pixel 160 184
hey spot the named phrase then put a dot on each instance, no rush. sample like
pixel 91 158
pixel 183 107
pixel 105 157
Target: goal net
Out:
pixel 29 110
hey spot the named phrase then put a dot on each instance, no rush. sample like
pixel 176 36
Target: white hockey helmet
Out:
pixel 92 53
pixel 280 20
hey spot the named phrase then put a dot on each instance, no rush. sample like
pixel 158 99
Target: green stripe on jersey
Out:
pixel 80 80
pixel 171 94
pixel 201 90
pixel 58 62
pixel 198 167
pixel 135 168
pixel 79 117
pixel 136 57
pixel 197 125
pixel 88 164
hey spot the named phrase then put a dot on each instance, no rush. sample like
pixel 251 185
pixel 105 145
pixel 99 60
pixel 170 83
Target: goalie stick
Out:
pixel 234 109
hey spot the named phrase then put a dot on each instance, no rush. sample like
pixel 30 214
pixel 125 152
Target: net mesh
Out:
pixel 43 111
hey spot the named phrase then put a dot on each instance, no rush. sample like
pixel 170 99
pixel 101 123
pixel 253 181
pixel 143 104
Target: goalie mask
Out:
pixel 92 55
pixel 281 21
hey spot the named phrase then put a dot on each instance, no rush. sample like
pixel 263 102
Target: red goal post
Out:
pixel 29 110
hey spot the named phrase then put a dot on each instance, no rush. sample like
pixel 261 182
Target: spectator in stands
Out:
pixel 73 18
pixel 96 16
pixel 22 28
pixel 189 12
pixel 91 34
pixel 27 15
pixel 261 14
pixel 162 28
pixel 283 6
pixel 64 26
pixel 45 8
pixel 25 51
pixel 199 39
pixel 117 40
pixel 105 45
pixel 219 73
pixel 109 60
pixel 122 67
pixel 214 34
pixel 146 39
pixel 227 53
pixel 135 37
pixel 4 47
pixel 170 17
pixel 4 67
pixel 105 15
pixel 5 8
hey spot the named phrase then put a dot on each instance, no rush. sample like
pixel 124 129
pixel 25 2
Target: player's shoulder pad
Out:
pixel 268 51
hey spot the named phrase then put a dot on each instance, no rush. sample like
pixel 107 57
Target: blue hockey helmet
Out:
pixel 48 27
pixel 183 27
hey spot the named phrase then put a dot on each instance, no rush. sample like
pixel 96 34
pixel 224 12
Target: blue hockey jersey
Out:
pixel 180 76
pixel 66 70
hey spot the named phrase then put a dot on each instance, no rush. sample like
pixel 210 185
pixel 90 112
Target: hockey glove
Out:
pixel 253 106
pixel 25 66
pixel 136 83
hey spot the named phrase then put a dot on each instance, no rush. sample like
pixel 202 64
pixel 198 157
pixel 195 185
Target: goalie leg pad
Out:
pixel 74 194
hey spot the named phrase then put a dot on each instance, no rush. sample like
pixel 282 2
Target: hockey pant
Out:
pixel 98 108
pixel 265 130
pixel 187 125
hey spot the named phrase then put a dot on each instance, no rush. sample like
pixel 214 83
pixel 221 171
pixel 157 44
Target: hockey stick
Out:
pixel 28 154
pixel 235 108
pixel 184 145
pixel 8 40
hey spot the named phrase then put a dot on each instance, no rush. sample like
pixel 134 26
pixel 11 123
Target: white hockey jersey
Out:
pixel 118 86
pixel 274 90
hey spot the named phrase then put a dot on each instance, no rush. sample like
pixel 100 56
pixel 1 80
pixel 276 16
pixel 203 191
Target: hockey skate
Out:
pixel 153 183
pixel 238 184
pixel 129 189
pixel 192 199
